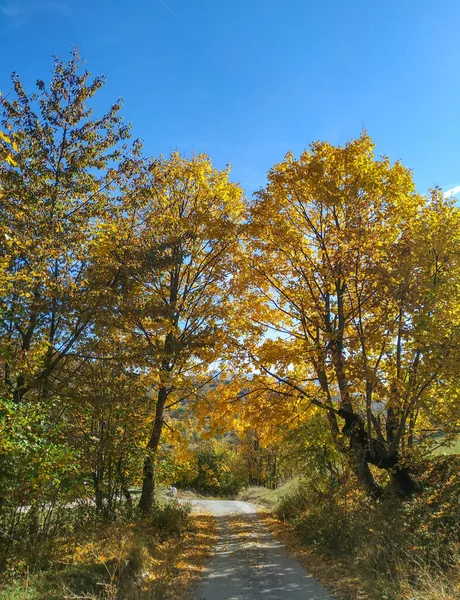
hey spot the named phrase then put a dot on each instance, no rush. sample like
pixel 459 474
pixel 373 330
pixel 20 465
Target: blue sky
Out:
pixel 248 80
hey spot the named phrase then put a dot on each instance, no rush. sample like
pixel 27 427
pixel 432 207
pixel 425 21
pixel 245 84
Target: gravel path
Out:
pixel 249 563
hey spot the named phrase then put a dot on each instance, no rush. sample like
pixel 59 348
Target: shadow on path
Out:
pixel 249 564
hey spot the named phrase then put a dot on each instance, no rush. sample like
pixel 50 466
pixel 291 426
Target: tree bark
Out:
pixel 403 483
pixel 364 474
pixel 148 483
pixel 361 446
pixel 98 494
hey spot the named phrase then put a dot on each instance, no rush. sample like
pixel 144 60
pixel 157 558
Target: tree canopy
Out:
pixel 148 305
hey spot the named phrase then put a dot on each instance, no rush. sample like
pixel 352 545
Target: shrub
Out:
pixel 398 549
pixel 170 519
pixel 217 471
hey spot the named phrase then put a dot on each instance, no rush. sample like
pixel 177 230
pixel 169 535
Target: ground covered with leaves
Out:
pixel 155 557
pixel 386 549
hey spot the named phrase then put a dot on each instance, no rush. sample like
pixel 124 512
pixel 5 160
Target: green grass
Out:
pixel 448 448
pixel 267 497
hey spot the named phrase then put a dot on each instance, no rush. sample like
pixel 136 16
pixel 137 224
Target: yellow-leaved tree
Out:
pixel 359 278
pixel 59 185
pixel 181 248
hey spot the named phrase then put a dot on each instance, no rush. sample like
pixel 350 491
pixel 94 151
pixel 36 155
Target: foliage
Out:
pixel 358 276
pixel 108 417
pixel 68 166
pixel 179 242
pixel 216 470
pixel 39 474
pixel 170 519
pixel 390 545
pixel 157 326
pixel 7 149
pixel 268 497
pixel 65 173
pixel 138 559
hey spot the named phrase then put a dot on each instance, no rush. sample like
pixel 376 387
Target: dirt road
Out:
pixel 249 563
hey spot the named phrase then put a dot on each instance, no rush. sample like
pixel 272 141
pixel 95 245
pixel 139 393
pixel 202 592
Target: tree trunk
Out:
pixel 128 497
pixel 98 494
pixel 364 474
pixel 361 446
pixel 34 522
pixel 403 483
pixel 148 483
pixel 19 389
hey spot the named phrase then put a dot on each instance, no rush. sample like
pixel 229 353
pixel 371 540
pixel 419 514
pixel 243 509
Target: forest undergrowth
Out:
pixel 148 558
pixel 386 549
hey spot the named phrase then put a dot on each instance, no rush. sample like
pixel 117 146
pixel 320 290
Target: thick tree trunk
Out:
pixel 373 452
pixel 403 483
pixel 148 483
pixel 364 474
pixel 354 430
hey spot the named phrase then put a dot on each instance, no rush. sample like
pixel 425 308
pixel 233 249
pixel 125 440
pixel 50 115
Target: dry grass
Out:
pixel 345 582
pixel 390 550
pixel 123 561
pixel 266 496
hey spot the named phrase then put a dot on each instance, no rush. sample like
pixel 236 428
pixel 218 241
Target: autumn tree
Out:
pixel 7 149
pixel 107 416
pixel 358 277
pixel 61 168
pixel 183 235
pixel 64 177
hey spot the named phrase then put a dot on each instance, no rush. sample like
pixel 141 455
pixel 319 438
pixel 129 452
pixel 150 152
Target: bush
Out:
pixel 294 503
pixel 397 549
pixel 38 477
pixel 170 519
pixel 216 471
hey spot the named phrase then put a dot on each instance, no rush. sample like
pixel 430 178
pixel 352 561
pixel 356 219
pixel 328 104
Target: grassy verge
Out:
pixel 147 559
pixel 385 550
pixel 451 447
pixel 269 498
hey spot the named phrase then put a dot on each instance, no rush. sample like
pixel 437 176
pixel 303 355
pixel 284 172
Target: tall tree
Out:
pixel 63 179
pixel 359 277
pixel 183 231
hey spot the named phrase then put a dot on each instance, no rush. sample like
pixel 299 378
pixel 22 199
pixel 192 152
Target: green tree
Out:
pixel 65 175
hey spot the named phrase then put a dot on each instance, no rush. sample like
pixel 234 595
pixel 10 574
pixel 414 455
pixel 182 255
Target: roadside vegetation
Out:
pixel 158 328
pixel 360 548
pixel 150 558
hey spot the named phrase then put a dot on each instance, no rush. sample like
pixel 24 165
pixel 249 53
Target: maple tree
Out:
pixel 358 277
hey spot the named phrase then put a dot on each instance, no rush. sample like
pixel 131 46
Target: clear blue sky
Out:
pixel 247 80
